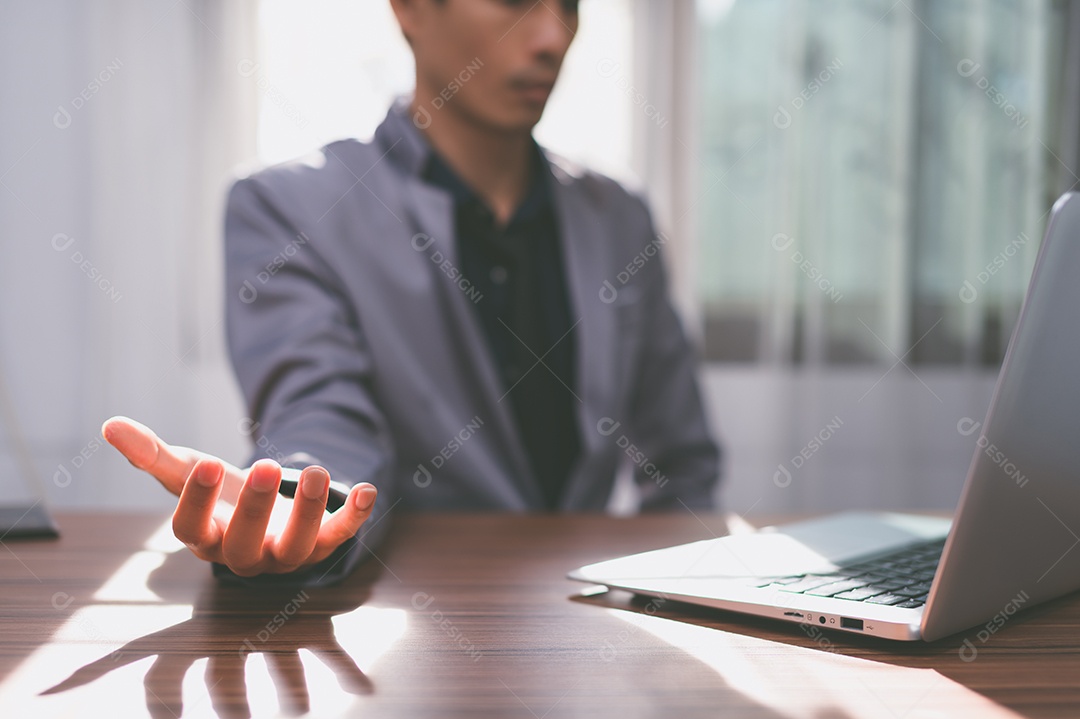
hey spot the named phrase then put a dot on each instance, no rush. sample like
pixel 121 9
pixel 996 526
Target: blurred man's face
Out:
pixel 491 61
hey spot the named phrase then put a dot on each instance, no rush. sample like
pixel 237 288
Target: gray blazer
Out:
pixel 358 347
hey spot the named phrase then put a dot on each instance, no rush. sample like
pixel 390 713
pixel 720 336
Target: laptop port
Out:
pixel 794 614
pixel 849 623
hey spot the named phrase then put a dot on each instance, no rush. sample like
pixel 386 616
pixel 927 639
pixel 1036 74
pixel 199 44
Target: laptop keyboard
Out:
pixel 901 579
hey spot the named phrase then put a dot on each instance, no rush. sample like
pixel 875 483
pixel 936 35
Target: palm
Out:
pixel 236 516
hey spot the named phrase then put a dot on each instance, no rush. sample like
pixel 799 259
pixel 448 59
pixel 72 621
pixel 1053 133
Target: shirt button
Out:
pixel 499 274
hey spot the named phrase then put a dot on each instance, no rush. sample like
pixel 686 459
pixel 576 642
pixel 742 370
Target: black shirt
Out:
pixel 525 312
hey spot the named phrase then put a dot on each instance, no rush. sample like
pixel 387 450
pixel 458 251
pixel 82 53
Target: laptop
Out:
pixel 1014 540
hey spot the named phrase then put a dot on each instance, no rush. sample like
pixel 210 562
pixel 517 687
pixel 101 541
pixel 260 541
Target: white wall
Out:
pixel 884 440
pixel 117 139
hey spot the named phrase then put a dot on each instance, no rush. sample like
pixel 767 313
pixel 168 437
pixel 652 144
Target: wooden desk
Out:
pixel 468 616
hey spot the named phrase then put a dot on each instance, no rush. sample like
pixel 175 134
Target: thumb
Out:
pixel 147 452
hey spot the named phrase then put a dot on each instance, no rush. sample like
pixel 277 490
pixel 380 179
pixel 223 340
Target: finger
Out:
pixel 163 683
pixel 288 673
pixel 98 668
pixel 147 452
pixel 193 522
pixel 297 541
pixel 169 464
pixel 346 521
pixel 242 545
pixel 349 675
pixel 226 682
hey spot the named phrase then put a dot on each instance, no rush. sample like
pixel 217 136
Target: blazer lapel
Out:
pixel 430 211
pixel 584 246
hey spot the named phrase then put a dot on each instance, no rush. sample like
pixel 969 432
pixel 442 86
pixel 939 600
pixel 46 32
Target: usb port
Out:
pixel 849 623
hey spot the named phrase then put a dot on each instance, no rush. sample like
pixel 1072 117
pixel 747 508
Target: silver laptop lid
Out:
pixel 1015 534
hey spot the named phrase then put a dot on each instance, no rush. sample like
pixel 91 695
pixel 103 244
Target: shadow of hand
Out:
pixel 226 625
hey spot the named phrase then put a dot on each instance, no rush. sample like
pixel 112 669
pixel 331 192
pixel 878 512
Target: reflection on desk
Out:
pixel 469 616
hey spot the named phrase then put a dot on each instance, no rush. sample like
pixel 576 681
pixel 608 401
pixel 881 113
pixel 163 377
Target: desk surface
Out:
pixel 469 616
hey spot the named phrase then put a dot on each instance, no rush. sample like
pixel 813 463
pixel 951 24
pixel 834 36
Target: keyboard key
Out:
pixel 809 582
pixel 910 604
pixel 913 590
pixel 788 580
pixel 875 577
pixel 829 590
pixel 858 595
pixel 887 599
pixel 925 577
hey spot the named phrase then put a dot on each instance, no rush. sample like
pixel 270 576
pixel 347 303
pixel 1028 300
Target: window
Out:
pixel 878 175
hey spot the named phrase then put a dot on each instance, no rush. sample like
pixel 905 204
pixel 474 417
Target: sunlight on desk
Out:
pixel 128 584
pixel 799 682
pixel 134 651
pixel 91 635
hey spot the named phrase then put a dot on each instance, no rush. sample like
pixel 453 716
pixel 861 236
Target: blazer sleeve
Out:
pixel 679 465
pixel 304 367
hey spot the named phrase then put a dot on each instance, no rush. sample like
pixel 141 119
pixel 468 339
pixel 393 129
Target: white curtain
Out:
pixel 119 138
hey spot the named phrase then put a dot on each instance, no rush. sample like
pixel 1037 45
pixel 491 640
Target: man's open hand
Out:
pixel 224 512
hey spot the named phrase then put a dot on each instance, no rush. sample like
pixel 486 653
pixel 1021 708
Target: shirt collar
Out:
pixel 401 137
pixel 537 197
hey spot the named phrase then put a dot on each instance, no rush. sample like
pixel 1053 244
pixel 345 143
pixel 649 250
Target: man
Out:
pixel 446 314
